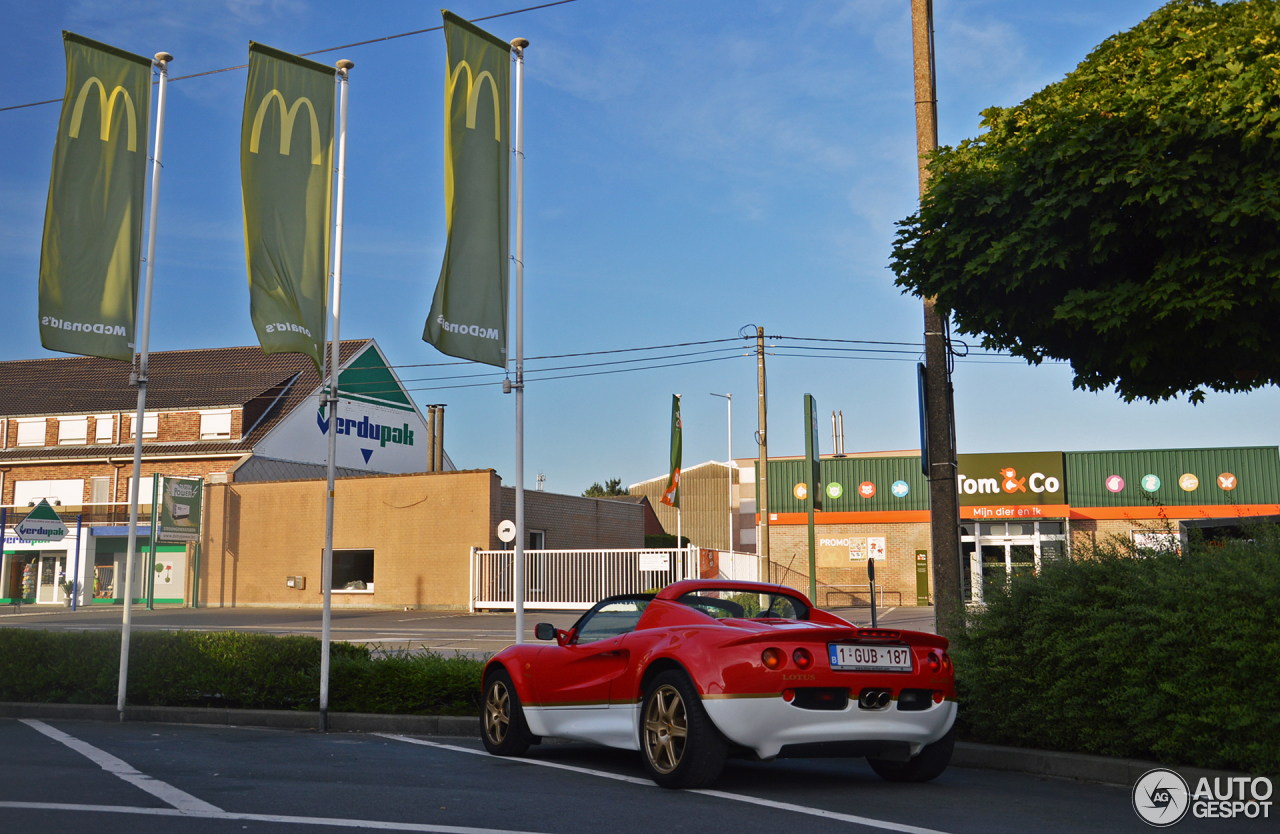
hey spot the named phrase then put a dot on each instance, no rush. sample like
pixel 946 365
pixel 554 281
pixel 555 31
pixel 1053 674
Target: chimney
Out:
pixel 431 438
pixel 439 453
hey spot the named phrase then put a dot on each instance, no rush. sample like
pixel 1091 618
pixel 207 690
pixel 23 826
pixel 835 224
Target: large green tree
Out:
pixel 1125 219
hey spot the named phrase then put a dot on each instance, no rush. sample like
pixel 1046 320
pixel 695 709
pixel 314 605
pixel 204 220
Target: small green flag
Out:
pixel 286 179
pixel 671 495
pixel 468 316
pixel 91 253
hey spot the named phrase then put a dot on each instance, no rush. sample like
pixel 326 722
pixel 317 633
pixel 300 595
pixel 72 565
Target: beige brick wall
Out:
pixel 789 552
pixel 420 527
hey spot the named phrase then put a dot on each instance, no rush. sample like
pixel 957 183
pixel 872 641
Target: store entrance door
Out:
pixel 53 570
pixel 999 551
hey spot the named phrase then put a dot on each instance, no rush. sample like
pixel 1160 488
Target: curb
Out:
pixel 350 722
pixel 1082 766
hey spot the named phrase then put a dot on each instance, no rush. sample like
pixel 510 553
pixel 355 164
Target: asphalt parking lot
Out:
pixel 73 776
pixel 442 631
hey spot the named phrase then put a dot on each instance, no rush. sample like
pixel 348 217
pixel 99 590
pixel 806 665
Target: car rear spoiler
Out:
pixel 852 635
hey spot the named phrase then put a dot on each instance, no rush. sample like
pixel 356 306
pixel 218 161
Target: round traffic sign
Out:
pixel 507 531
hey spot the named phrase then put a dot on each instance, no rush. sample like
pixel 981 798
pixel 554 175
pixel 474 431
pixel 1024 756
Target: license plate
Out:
pixel 870 658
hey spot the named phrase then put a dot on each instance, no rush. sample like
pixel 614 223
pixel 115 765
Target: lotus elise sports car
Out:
pixel 704 669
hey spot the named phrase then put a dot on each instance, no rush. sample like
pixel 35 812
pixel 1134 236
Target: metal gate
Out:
pixel 574 580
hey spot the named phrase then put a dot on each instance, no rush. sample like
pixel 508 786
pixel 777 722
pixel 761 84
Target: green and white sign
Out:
pixel 41 525
pixel 179 509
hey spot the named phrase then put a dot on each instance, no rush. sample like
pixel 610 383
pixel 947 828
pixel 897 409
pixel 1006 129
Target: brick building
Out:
pixel 223 414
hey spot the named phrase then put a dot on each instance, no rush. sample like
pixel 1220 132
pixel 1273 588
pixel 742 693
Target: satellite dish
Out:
pixel 507 531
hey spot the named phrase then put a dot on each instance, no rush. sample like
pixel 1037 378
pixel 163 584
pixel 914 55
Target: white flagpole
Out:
pixel 518 46
pixel 326 570
pixel 162 60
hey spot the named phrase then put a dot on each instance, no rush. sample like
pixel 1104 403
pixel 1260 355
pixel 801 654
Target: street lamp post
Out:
pixel 729 401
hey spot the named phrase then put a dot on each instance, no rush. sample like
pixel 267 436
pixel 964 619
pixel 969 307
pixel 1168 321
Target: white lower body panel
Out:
pixel 766 725
pixel 616 725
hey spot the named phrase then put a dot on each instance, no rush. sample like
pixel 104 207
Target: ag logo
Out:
pixel 1160 797
pixel 1188 482
pixel 1010 482
pixel 834 489
pixel 1114 483
pixel 801 491
pixel 867 489
pixel 900 489
pixel 1227 481
pixel 1150 482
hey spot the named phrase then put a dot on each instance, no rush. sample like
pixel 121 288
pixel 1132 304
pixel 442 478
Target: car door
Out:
pixel 571 682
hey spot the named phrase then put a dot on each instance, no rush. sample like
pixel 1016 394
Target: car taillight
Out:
pixel 934 663
pixel 946 663
pixel 938 695
pixel 803 658
pixel 773 658
pixel 788 695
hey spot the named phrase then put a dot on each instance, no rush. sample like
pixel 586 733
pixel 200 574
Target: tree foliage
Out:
pixel 611 487
pixel 1124 219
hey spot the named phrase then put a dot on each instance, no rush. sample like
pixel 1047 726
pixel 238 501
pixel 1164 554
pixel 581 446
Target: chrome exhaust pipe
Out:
pixel 874 698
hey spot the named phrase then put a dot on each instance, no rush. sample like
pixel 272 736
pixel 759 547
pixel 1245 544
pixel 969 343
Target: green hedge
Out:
pixel 230 669
pixel 1169 656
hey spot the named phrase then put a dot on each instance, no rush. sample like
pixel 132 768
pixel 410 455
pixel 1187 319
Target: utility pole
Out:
pixel 943 499
pixel 762 466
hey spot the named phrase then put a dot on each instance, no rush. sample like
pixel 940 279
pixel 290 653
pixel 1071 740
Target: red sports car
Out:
pixel 706 669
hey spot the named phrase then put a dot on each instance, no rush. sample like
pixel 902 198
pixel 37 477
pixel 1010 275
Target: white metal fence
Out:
pixel 574 580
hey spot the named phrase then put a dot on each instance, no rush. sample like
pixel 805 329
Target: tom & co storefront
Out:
pixel 1017 510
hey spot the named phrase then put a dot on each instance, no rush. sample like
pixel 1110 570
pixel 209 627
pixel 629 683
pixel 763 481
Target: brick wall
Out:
pixel 171 427
pixel 789 553
pixel 572 522
pixel 1088 532
pixel 86 470
pixel 420 527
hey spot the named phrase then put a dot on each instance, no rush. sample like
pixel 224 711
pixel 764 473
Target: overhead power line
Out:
pixel 326 49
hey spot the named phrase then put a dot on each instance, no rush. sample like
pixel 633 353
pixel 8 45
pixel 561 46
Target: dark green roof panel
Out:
pixel 850 473
pixel 1256 470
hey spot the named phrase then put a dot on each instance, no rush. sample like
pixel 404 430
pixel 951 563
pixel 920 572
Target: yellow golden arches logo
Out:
pixel 105 108
pixel 287 115
pixel 473 96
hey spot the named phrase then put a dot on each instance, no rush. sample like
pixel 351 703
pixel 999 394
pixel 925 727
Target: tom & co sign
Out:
pixel 1017 485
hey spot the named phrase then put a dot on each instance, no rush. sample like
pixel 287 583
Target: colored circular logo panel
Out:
pixel 834 489
pixel 900 489
pixel 1114 483
pixel 1227 481
pixel 1188 482
pixel 801 491
pixel 1161 797
pixel 867 489
pixel 1150 482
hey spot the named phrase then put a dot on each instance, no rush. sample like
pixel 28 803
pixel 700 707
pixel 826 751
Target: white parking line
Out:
pixel 335 822
pixel 163 791
pixel 884 825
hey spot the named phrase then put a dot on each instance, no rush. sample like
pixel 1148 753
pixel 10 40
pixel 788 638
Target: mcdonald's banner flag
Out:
pixel 671 495
pixel 469 312
pixel 286 179
pixel 91 252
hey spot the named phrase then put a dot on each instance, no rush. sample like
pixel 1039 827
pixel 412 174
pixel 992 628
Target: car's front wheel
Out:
pixel 680 746
pixel 925 765
pixel 502 726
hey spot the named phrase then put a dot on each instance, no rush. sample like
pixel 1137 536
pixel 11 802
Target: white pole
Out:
pixel 326 570
pixel 518 46
pixel 162 60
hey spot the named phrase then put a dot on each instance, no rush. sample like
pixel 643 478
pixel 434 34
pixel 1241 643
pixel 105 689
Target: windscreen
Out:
pixel 730 603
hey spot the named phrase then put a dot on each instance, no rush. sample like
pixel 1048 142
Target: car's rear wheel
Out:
pixel 925 765
pixel 680 746
pixel 502 725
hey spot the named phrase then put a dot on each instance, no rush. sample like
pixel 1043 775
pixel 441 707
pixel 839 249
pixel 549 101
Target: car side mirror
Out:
pixel 544 631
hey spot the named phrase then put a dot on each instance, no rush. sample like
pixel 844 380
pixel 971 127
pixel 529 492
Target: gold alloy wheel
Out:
pixel 497 712
pixel 666 729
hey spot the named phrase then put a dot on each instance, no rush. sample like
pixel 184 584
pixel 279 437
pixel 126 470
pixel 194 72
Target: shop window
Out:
pixel 103 426
pixel 215 425
pixel 1051 528
pixel 353 570
pixel 73 431
pixel 150 425
pixel 31 432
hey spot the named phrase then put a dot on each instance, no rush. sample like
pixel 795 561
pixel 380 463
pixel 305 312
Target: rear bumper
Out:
pixel 767 724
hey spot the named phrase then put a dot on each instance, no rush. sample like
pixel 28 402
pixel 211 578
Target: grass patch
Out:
pixel 231 670
pixel 1161 655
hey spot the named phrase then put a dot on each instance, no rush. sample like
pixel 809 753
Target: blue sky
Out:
pixel 692 168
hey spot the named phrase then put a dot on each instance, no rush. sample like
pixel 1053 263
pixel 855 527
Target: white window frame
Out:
pixel 29 424
pixel 105 482
pixel 109 422
pixel 211 423
pixel 150 425
pixel 73 431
